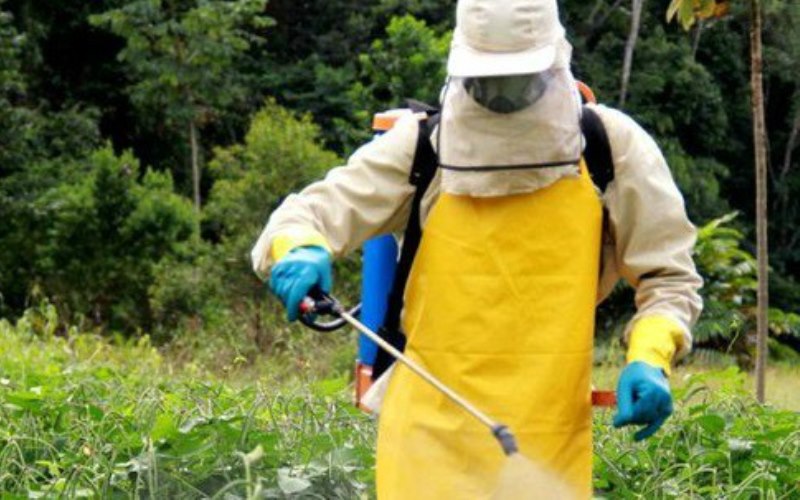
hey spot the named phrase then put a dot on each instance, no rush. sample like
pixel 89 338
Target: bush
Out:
pixel 281 154
pixel 105 234
pixel 213 295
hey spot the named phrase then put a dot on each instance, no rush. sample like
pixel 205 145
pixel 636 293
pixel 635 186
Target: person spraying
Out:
pixel 518 245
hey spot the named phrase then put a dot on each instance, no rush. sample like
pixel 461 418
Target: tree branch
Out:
pixel 698 32
pixel 791 143
pixel 596 25
pixel 630 46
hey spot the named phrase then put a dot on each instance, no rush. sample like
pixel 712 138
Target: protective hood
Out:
pixel 485 153
pixel 504 37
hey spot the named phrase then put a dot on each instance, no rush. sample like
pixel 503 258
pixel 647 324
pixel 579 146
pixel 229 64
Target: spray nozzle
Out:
pixel 506 439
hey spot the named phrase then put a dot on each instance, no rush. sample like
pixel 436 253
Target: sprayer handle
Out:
pixel 318 302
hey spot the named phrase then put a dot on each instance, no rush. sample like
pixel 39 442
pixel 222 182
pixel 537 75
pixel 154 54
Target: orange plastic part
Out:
pixel 363 378
pixel 604 399
pixel 381 122
pixel 586 92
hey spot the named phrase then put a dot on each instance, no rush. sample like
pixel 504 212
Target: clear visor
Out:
pixel 506 94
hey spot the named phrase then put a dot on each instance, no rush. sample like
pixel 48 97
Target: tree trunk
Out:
pixel 760 143
pixel 630 45
pixel 195 164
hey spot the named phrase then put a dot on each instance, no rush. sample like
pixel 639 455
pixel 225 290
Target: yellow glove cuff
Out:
pixel 654 340
pixel 287 241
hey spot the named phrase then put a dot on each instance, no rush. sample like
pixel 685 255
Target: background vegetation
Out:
pixel 144 143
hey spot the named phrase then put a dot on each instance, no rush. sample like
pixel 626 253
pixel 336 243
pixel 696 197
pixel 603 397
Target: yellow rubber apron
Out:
pixel 500 306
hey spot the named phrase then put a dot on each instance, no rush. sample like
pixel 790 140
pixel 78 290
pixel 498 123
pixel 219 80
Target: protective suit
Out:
pixel 514 256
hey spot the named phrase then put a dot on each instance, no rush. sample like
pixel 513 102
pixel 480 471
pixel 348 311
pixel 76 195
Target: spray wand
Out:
pixel 319 302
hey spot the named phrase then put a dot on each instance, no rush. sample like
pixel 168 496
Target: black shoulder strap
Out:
pixel 423 170
pixel 597 154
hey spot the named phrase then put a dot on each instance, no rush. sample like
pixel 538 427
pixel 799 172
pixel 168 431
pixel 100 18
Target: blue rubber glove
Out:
pixel 297 273
pixel 643 398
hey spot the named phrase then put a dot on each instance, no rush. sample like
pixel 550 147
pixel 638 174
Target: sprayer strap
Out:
pixel 597 154
pixel 423 170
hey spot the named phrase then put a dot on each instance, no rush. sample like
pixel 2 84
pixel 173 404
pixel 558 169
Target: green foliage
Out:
pixel 82 417
pixel 184 285
pixel 781 66
pixel 688 12
pixel 729 273
pixel 29 133
pixel 728 269
pixel 280 154
pixel 782 323
pixel 671 92
pixel 10 78
pixel 724 27
pixel 408 63
pixel 102 234
pixel 312 64
pixel 720 444
pixel 729 293
pixel 185 60
pixel 183 54
pixel 12 87
pixel 214 289
pixel 31 138
pixel 701 181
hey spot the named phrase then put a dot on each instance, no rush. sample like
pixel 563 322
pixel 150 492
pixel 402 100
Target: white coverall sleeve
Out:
pixel 368 196
pixel 651 234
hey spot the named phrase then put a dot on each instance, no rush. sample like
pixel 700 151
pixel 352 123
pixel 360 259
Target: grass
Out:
pixel 84 417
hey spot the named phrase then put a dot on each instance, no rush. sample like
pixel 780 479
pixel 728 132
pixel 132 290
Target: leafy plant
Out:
pixel 84 417
pixel 729 273
pixel 729 280
pixel 690 11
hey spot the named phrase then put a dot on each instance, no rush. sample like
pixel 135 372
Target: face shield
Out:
pixel 503 135
pixel 507 94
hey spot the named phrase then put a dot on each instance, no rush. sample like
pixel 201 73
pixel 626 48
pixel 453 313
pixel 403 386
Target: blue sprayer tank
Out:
pixel 378 268
pixel 379 263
